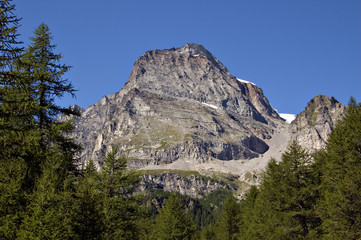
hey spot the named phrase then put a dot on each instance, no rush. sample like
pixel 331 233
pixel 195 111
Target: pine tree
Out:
pixel 341 182
pixel 172 222
pixel 33 145
pixel 14 115
pixel 9 48
pixel 88 217
pixel 228 224
pixel 12 121
pixel 42 77
pixel 284 207
pixel 49 214
pixel 247 212
pixel 12 197
pixel 120 205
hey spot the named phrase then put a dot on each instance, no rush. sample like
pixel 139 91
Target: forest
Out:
pixel 45 195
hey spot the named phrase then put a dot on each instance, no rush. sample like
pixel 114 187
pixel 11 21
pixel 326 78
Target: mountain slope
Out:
pixel 182 112
pixel 312 126
pixel 179 104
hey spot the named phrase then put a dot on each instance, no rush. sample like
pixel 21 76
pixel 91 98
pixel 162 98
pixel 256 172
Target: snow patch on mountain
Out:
pixel 210 105
pixel 244 81
pixel 288 117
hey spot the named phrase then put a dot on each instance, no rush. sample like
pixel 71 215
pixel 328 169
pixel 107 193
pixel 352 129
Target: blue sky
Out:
pixel 292 49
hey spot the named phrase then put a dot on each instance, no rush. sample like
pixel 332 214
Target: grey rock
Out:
pixel 179 104
pixel 312 127
pixel 192 184
pixel 181 109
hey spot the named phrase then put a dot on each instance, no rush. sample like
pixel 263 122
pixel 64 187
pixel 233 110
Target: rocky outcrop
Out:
pixel 181 110
pixel 312 126
pixel 179 104
pixel 188 183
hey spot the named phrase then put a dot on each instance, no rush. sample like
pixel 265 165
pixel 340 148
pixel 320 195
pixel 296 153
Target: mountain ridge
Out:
pixel 181 109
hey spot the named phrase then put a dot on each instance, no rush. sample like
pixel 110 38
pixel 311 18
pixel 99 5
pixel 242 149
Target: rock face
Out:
pixel 192 184
pixel 179 104
pixel 312 126
pixel 182 110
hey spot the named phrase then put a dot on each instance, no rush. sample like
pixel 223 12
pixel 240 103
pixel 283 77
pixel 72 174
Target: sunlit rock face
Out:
pixel 182 110
pixel 179 104
pixel 312 127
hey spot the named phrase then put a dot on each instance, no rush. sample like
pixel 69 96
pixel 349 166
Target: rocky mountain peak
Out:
pixel 182 110
pixel 313 125
pixel 179 104
pixel 192 73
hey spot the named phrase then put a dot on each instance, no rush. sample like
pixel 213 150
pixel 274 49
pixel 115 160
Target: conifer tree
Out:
pixel 340 204
pixel 12 121
pixel 42 77
pixel 172 222
pixel 284 207
pixel 120 205
pixel 49 214
pixel 247 212
pixel 88 219
pixel 9 50
pixel 228 224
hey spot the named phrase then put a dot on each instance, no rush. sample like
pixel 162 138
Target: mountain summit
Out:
pixel 192 73
pixel 181 109
pixel 179 104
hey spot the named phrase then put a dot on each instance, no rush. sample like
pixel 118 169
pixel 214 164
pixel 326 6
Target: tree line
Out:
pixel 45 195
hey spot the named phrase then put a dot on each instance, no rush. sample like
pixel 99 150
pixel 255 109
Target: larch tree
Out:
pixel 12 122
pixel 228 225
pixel 172 222
pixel 284 207
pixel 43 75
pixel 119 202
pixel 50 161
pixel 340 204
pixel 88 217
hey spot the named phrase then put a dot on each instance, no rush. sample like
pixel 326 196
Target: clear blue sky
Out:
pixel 292 49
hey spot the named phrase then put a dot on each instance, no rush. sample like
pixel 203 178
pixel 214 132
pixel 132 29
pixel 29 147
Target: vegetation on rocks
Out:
pixel 45 195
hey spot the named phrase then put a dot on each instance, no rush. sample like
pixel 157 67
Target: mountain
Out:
pixel 182 111
pixel 312 126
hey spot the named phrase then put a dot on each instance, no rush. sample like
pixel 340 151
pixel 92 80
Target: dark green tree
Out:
pixel 284 207
pixel 341 182
pixel 120 204
pixel 10 50
pixel 172 222
pixel 49 213
pixel 42 77
pixel 12 197
pixel 228 224
pixel 247 212
pixel 34 147
pixel 12 165
pixel 88 219
pixel 208 232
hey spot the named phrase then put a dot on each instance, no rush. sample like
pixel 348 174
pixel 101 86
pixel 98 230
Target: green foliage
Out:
pixel 228 224
pixel 283 209
pixel 204 211
pixel 49 211
pixel 341 181
pixel 87 213
pixel 173 222
pixel 44 196
pixel 12 197
pixel 247 212
pixel 120 205
pixel 209 208
pixel 42 69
